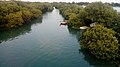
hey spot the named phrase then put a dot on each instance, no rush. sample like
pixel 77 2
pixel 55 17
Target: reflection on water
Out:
pixel 75 33
pixel 14 33
pixel 88 57
pixel 95 62
pixel 45 44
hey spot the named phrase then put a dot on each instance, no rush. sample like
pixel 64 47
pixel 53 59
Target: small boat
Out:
pixel 63 23
pixel 83 27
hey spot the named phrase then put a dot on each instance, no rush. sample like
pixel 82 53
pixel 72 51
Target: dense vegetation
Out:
pixel 71 13
pixel 96 12
pixel 112 4
pixel 102 40
pixel 14 14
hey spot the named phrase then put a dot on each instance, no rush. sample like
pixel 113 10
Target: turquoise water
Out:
pixel 44 43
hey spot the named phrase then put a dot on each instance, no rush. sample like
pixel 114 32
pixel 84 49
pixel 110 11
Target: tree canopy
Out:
pixel 93 12
pixel 15 13
pixel 101 13
pixel 101 42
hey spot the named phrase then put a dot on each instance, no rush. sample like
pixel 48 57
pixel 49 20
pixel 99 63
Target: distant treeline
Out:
pixel 16 13
pixel 112 4
pixel 86 3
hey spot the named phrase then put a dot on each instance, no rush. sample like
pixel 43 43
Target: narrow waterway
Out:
pixel 44 43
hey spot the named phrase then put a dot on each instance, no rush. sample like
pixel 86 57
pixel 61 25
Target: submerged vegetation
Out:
pixel 14 13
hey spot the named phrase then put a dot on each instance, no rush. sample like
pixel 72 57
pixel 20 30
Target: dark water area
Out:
pixel 44 43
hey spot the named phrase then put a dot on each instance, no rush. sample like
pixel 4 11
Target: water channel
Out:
pixel 44 43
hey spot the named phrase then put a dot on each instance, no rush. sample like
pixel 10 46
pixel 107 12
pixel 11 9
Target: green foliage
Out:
pixel 36 13
pixel 101 13
pixel 26 15
pixel 74 21
pixel 70 12
pixel 115 26
pixel 93 12
pixel 14 14
pixel 46 7
pixel 14 19
pixel 101 42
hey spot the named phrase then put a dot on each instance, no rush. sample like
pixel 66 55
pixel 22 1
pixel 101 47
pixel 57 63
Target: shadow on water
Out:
pixel 75 32
pixel 88 57
pixel 94 61
pixel 46 51
pixel 11 34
